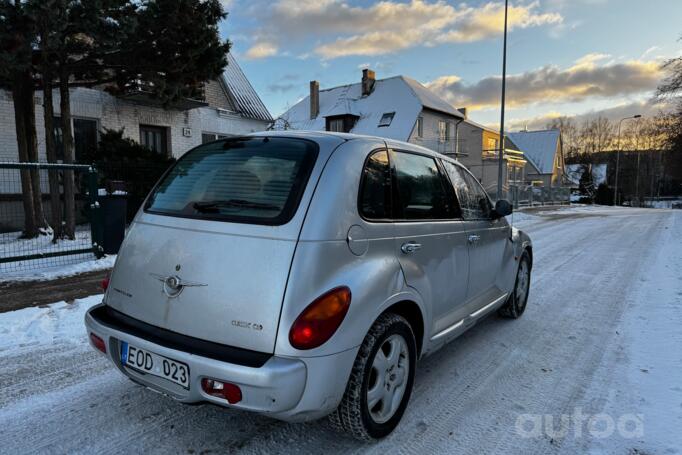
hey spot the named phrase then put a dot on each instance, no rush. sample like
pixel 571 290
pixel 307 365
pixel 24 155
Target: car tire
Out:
pixel 515 305
pixel 390 335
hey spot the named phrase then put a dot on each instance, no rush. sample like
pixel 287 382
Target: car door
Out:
pixel 486 236
pixel 430 240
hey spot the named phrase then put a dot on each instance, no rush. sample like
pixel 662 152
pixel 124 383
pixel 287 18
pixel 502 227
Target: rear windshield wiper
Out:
pixel 213 206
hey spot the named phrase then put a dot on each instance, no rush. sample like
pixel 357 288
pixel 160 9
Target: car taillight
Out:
pixel 105 283
pixel 98 342
pixel 318 322
pixel 230 392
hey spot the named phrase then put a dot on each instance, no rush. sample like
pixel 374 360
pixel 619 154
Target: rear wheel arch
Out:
pixel 529 249
pixel 409 310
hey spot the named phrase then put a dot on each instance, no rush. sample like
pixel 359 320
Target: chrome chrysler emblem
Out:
pixel 173 284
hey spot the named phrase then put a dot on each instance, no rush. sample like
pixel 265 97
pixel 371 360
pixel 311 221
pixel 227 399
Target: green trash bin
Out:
pixel 114 207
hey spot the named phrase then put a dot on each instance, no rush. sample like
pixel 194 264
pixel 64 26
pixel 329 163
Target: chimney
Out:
pixel 314 99
pixel 463 110
pixel 368 79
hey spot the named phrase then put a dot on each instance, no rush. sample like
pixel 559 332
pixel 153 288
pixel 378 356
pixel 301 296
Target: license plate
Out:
pixel 154 364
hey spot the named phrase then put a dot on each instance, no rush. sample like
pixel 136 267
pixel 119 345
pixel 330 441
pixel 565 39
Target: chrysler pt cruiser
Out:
pixel 303 274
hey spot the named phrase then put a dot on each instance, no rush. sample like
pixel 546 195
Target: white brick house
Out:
pixel 231 107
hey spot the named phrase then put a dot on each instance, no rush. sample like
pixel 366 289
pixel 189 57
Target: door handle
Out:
pixel 410 247
pixel 473 238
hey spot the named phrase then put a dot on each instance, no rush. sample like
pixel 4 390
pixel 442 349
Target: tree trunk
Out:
pixel 50 147
pixel 32 152
pixel 30 228
pixel 67 141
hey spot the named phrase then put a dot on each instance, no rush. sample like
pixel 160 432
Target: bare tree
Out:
pixel 570 135
pixel 597 135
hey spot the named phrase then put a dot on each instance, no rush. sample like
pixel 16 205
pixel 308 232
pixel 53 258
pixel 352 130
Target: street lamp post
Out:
pixel 500 157
pixel 615 186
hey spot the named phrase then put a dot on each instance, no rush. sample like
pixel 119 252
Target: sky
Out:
pixel 578 58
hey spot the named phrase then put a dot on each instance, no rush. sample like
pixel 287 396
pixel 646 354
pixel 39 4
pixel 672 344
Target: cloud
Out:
pixel 646 108
pixel 227 4
pixel 281 88
pixel 589 77
pixel 389 26
pixel 262 50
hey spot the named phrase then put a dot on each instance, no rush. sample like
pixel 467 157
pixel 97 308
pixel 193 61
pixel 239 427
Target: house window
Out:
pixel 210 137
pixel 443 131
pixel 85 138
pixel 335 125
pixel 386 119
pixel 420 126
pixel 491 147
pixel 155 138
pixel 341 123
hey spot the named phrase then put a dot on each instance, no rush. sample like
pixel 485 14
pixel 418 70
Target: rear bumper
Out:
pixel 285 388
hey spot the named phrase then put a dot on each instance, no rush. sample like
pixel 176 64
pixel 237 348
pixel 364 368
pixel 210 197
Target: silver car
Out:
pixel 303 274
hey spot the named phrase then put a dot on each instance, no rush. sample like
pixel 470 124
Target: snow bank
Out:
pixel 46 325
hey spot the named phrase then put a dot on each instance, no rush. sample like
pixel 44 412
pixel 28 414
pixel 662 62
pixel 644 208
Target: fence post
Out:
pixel 95 214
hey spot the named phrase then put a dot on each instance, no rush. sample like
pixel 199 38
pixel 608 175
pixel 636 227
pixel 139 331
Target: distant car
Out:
pixel 676 205
pixel 301 275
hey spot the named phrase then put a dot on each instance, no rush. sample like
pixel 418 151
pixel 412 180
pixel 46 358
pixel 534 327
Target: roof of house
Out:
pixel 400 95
pixel 468 121
pixel 245 98
pixel 540 147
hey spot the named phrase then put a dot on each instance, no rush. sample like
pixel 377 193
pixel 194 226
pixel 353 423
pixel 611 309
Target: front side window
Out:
pixel 473 200
pixel 245 180
pixel 421 193
pixel 375 187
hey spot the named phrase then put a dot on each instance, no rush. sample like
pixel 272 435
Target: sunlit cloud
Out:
pixel 589 77
pixel 261 50
pixel 646 108
pixel 389 26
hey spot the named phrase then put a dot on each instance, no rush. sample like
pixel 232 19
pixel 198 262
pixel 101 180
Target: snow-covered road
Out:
pixel 595 365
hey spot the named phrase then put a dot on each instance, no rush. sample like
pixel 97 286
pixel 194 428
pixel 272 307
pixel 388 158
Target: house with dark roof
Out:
pixel 396 107
pixel 230 106
pixel 544 153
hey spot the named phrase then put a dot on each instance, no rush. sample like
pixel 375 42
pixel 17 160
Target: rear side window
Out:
pixel 421 189
pixel 375 187
pixel 473 200
pixel 245 180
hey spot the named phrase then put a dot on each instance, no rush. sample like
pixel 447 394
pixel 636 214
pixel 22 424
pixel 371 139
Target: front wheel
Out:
pixel 381 381
pixel 516 304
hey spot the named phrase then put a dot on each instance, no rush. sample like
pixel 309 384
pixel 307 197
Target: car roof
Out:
pixel 333 138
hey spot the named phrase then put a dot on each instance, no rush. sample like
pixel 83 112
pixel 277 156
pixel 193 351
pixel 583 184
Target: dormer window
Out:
pixel 386 119
pixel 340 123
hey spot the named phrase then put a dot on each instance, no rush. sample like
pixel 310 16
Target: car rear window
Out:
pixel 257 180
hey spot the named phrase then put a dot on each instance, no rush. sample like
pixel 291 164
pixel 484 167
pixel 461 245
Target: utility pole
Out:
pixel 500 156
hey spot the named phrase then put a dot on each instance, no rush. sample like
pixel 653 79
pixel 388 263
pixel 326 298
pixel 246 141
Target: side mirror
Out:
pixel 502 208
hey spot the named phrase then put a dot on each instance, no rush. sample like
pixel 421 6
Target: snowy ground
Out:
pixel 594 366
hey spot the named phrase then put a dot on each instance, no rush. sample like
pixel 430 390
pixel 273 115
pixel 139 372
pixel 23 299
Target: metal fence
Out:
pixel 19 252
pixel 530 196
